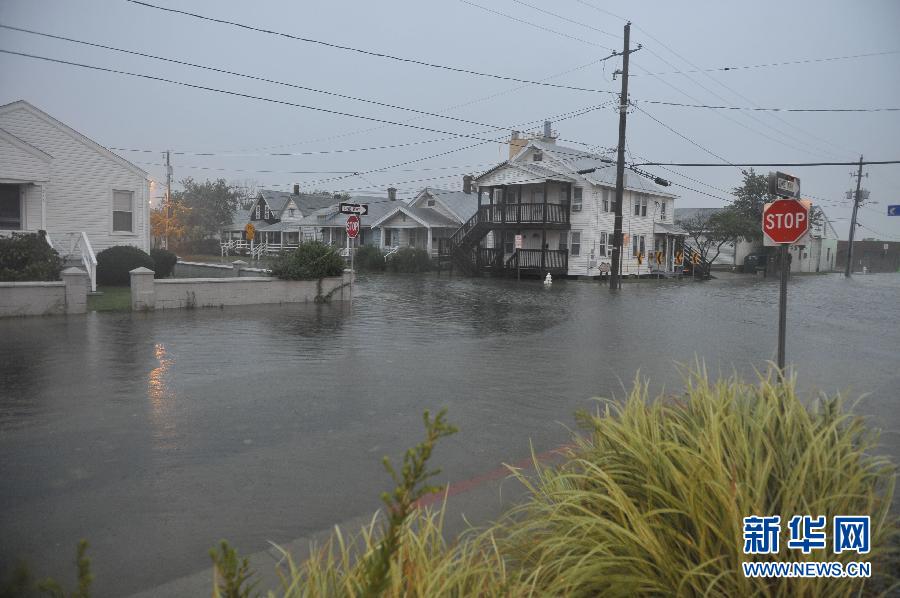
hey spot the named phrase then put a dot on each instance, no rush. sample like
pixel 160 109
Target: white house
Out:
pixel 55 179
pixel 560 201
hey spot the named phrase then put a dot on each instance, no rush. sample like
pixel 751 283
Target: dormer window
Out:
pixel 291 212
pixel 537 156
pixel 268 213
pixel 430 203
pixel 258 212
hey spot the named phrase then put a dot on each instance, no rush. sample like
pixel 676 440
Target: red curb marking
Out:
pixel 495 474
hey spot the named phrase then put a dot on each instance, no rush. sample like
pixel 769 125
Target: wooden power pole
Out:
pixel 856 199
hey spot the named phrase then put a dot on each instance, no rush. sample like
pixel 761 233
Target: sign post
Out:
pixel 784 222
pixel 519 243
pixel 352 232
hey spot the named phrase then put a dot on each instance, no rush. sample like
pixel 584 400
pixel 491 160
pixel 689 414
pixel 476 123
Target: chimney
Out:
pixel 296 189
pixel 516 143
pixel 467 184
pixel 548 133
pixel 392 194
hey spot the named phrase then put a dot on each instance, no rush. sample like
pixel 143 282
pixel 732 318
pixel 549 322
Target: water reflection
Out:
pixel 162 400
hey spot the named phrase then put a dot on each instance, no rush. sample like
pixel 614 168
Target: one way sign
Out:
pixel 360 209
pixel 893 210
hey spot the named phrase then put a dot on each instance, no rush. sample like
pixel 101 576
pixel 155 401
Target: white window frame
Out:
pixel 577 199
pixel 112 220
pixel 575 248
pixel 604 239
pixel 662 210
pixel 258 212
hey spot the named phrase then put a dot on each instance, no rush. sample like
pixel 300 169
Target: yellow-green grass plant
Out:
pixel 650 502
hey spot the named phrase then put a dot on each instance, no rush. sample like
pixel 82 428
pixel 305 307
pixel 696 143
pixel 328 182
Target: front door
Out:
pixel 10 208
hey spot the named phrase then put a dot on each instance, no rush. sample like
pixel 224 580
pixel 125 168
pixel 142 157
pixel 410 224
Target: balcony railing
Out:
pixel 548 259
pixel 524 213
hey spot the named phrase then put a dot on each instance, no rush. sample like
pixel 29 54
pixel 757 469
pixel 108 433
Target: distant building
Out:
pixel 560 202
pixel 55 179
pixel 815 253
pixel 874 256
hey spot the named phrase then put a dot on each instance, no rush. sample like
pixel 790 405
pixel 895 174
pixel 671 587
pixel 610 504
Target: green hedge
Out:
pixel 409 259
pixel 164 262
pixel 310 261
pixel 369 259
pixel 28 257
pixel 114 264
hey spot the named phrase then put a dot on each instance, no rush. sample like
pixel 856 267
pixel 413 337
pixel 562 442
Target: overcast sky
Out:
pixel 127 112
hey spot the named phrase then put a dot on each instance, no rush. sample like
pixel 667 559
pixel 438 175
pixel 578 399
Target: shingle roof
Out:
pixel 378 207
pixel 278 201
pixel 462 204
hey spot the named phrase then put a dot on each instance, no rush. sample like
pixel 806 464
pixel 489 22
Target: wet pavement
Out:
pixel 156 435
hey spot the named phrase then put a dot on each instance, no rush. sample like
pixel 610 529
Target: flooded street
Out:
pixel 156 435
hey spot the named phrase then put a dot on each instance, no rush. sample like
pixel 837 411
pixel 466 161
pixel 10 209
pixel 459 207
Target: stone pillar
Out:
pixel 77 284
pixel 238 265
pixel 143 295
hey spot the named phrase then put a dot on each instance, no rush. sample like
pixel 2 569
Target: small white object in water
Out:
pixel 548 281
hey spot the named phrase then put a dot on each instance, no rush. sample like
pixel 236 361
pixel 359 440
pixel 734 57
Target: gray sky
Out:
pixel 126 112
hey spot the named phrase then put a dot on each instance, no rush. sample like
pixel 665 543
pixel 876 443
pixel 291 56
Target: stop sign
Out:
pixel 785 220
pixel 353 226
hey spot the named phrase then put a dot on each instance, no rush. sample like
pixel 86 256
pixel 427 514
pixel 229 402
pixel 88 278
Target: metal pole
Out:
pixel 614 275
pixel 782 305
pixel 849 267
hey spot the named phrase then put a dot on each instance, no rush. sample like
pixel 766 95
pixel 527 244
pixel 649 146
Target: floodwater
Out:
pixel 156 435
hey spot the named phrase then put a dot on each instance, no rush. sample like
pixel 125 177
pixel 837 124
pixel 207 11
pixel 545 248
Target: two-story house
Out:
pixel 551 208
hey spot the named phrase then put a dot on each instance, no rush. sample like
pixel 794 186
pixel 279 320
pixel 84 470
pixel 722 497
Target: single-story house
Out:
pixel 55 179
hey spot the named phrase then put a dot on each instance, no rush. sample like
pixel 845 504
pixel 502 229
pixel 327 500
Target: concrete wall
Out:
pixel 203 270
pixel 68 296
pixel 173 293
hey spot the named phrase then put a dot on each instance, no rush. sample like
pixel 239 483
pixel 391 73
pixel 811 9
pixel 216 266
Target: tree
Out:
pixel 168 222
pixel 749 200
pixel 247 191
pixel 710 233
pixel 212 206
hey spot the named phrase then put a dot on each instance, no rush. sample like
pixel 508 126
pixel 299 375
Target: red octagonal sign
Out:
pixel 785 220
pixel 353 226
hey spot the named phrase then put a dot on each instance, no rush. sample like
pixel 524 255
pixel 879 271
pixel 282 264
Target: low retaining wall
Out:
pixel 204 270
pixel 68 296
pixel 173 293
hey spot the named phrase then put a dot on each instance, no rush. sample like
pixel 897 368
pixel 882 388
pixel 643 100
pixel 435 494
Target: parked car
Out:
pixel 755 262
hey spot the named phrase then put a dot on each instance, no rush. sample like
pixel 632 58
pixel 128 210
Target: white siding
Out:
pixel 19 164
pixel 82 179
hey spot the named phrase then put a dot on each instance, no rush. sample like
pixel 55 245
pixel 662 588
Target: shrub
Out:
pixel 114 264
pixel 28 257
pixel 369 259
pixel 310 261
pixel 409 259
pixel 164 262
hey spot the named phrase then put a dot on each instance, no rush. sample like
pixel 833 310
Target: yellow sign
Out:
pixel 679 257
pixel 640 257
pixel 250 231
pixel 695 258
pixel 659 258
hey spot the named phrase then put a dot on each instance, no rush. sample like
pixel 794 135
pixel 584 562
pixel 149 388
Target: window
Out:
pixel 509 241
pixel 576 199
pixel 291 212
pixel 604 239
pixel 537 195
pixel 258 212
pixel 268 213
pixel 537 156
pixel 644 205
pixel 643 249
pixel 430 203
pixel 123 211
pixel 634 246
pixel 387 237
pixel 662 210
pixel 640 205
pixel 576 243
pixel 605 201
pixel 563 240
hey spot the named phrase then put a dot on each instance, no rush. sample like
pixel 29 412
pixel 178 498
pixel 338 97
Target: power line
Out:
pixel 755 164
pixel 245 95
pixel 535 25
pixel 774 64
pixel 688 139
pixel 252 77
pixel 763 109
pixel 363 51
pixel 568 20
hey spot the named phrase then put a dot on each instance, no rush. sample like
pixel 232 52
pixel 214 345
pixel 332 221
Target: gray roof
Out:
pixel 575 159
pixel 306 202
pixel 685 214
pixel 432 217
pixel 462 204
pixel 378 207
pixel 668 229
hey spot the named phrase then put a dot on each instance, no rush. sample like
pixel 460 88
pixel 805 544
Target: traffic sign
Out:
pixel 353 226
pixel 784 185
pixel 604 268
pixel 360 209
pixel 249 231
pixel 785 221
pixel 893 210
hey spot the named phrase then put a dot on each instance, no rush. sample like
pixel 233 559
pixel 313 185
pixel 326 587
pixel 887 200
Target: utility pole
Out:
pixel 856 200
pixel 614 272
pixel 168 194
